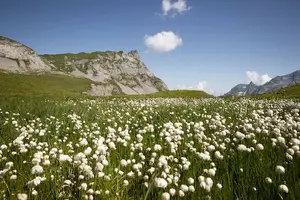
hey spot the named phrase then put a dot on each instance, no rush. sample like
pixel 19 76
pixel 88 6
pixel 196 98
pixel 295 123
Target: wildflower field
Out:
pixel 152 148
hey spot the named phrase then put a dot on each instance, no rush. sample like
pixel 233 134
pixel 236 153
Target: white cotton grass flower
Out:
pixel 184 188
pixel 67 182
pixel 242 148
pixel 88 151
pixel 123 163
pixel 172 192
pixel 37 169
pixel 239 135
pixel 64 158
pixel 191 181
pixel 83 142
pixel 290 151
pixel 46 162
pixel 34 193
pixel 204 156
pixel 165 196
pixel 281 140
pixel 259 147
pixel 90 191
pixel 97 192
pixel 13 177
pixel 83 186
pixel 160 183
pixel 279 169
pixel 218 155
pixel 206 183
pixel 36 181
pixel 157 147
pixel 283 188
pixel 192 188
pixel 211 148
pixel 268 180
pixel 125 182
pixel 181 193
pixel 212 172
pixel 22 196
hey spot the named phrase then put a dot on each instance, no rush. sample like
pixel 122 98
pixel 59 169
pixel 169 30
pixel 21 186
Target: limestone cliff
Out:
pixel 16 57
pixel 111 72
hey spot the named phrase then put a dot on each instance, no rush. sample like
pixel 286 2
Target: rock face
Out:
pixel 274 84
pixel 111 72
pixel 16 57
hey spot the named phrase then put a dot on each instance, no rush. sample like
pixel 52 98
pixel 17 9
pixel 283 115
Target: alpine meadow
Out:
pixel 206 106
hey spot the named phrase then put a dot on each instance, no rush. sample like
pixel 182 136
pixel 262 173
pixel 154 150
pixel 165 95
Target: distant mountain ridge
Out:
pixel 112 72
pixel 274 84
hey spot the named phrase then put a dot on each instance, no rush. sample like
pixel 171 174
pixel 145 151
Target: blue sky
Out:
pixel 211 42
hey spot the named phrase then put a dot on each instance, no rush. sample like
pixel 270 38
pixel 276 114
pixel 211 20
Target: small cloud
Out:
pixel 253 76
pixel 203 86
pixel 164 41
pixel 176 7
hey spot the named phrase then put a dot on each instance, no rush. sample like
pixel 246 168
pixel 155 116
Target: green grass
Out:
pixel 167 94
pixel 53 116
pixel 59 60
pixel 34 85
pixel 291 92
pixel 52 85
pixel 180 94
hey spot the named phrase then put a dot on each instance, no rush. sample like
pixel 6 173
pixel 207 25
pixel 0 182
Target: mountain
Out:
pixel 273 85
pixel 238 90
pixel 111 72
pixel 284 93
pixel 16 57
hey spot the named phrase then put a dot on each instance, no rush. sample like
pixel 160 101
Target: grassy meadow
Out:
pixel 57 143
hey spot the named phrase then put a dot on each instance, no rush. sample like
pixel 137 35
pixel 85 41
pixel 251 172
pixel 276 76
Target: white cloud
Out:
pixel 178 6
pixel 257 78
pixel 203 86
pixel 163 42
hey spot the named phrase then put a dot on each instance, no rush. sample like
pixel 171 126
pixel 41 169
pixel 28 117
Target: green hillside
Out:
pixel 172 94
pixel 30 85
pixel 180 94
pixel 37 85
pixel 288 92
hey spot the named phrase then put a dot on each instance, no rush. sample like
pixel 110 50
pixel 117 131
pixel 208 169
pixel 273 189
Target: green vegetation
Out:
pixel 180 94
pixel 74 56
pixel 188 94
pixel 113 149
pixel 52 85
pixel 291 92
pixel 158 83
pixel 31 85
pixel 60 60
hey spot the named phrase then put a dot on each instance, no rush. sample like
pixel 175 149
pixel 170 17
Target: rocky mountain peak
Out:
pixel 274 84
pixel 16 57
pixel 112 72
pixel 134 53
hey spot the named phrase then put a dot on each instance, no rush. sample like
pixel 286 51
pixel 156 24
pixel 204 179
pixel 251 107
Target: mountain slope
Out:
pixel 118 72
pixel 34 84
pixel 16 57
pixel 288 92
pixel 180 94
pixel 273 85
pixel 280 82
pixel 110 72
